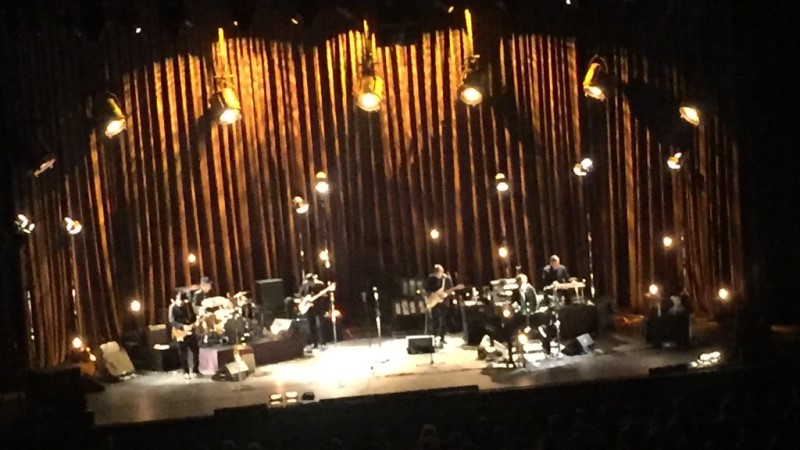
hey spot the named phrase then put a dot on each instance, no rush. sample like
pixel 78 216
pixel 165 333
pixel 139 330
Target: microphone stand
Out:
pixel 377 323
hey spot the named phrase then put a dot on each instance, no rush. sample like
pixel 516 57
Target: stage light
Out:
pixel 723 294
pixel 370 92
pixel 667 240
pixel 192 258
pixel 583 168
pixel 24 225
pixel 435 234
pixel 450 9
pixel 322 185
pixel 592 84
pixel 291 397
pixel 72 226
pixel 77 343
pixel 690 114
pixel 45 164
pixel 653 289
pixel 110 116
pixel 500 182
pixel 324 255
pixel 276 399
pixel 296 20
pixel 503 251
pixel 225 106
pixel 138 30
pixel 135 306
pixel 675 161
pixel 471 90
pixel 300 205
pixel 522 338
pixel 507 313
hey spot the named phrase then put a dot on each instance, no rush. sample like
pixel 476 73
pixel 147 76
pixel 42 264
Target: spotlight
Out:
pixel 192 258
pixel 690 114
pixel 653 289
pixel 322 185
pixel 522 338
pixel 138 30
pixel 110 116
pixel 72 226
pixel 135 306
pixel 45 164
pixel 291 397
pixel 592 84
pixel 77 343
pixel 370 92
pixel 296 19
pixel 325 256
pixel 667 240
pixel 723 294
pixel 471 90
pixel 24 225
pixel 435 234
pixel 276 400
pixel 450 9
pixel 507 312
pixel 675 161
pixel 225 106
pixel 500 182
pixel 300 206
pixel 583 168
pixel 503 251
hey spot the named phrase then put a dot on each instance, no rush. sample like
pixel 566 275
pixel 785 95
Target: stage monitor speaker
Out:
pixel 250 361
pixel 157 334
pixel 419 344
pixel 270 294
pixel 116 359
pixel 586 342
pixel 237 369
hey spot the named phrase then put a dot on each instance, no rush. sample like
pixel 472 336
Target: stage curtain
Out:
pixel 174 182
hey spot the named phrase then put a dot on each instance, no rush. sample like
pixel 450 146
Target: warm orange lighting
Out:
pixel 300 206
pixel 502 251
pixel 690 114
pixel 667 241
pixel 723 294
pixel 322 185
pixel 500 182
pixel 674 162
pixel 111 116
pixel 435 234
pixel 591 82
pixel 324 256
pixel 470 95
pixel 77 343
pixel 192 258
pixel 226 107
pixel 653 289
pixel 135 306
pixel 370 93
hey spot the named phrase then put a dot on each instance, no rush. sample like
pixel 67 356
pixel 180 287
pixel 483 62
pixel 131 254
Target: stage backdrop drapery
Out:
pixel 174 182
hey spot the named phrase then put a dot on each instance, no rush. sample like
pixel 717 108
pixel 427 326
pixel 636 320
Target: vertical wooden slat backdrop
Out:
pixel 174 182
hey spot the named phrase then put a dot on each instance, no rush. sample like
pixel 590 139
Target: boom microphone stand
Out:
pixel 375 296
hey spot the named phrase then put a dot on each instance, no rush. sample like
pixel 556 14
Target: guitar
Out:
pixel 180 333
pixel 308 301
pixel 436 297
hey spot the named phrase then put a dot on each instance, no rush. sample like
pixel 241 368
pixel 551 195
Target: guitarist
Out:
pixel 311 286
pixel 182 316
pixel 439 280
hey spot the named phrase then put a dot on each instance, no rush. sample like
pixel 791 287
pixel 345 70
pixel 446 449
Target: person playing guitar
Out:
pixel 437 287
pixel 182 320
pixel 313 288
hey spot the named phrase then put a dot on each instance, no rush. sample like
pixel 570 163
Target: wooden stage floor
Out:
pixel 362 367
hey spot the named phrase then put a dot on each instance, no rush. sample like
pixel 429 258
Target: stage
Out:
pixel 365 367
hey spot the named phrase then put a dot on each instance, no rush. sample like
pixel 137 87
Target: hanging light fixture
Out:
pixel 322 186
pixel 593 85
pixel 471 91
pixel 583 168
pixel 24 225
pixel 72 226
pixel 109 115
pixel 675 161
pixel 690 113
pixel 225 106
pixel 300 205
pixel 500 182
pixel 370 86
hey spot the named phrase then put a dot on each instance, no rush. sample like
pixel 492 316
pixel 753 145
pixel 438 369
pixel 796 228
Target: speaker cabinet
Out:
pixel 270 294
pixel 116 359
pixel 237 369
pixel 419 344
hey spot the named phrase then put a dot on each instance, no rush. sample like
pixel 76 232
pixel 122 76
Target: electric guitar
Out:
pixel 436 297
pixel 308 301
pixel 180 333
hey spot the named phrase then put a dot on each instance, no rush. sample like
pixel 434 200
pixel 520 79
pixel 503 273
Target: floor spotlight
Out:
pixel 300 205
pixel 690 114
pixel 322 186
pixel 471 90
pixel 593 86
pixel 24 225
pixel 500 182
pixel 225 106
pixel 675 161
pixel 72 226
pixel 110 116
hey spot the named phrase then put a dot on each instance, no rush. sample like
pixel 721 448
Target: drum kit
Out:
pixel 223 320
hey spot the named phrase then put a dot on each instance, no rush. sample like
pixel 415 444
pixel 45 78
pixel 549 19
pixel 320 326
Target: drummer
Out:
pixel 205 291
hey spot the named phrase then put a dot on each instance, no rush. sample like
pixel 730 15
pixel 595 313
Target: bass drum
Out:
pixel 236 330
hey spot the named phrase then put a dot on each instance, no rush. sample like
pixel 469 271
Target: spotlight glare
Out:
pixel 110 115
pixel 138 30
pixel 435 234
pixel 506 313
pixel 192 258
pixel 24 225
pixel 72 226
pixel 501 183
pixel 322 185
pixel 470 95
pixel 370 93
pixel 723 294
pixel 503 251
pixel 653 289
pixel 522 338
pixel 136 306
pixel 324 256
pixel 690 114
pixel 226 107
pixel 295 20
pixel 300 206
pixel 674 162
pixel 77 343
pixel 450 9
pixel 667 241
pixel 578 170
pixel 591 86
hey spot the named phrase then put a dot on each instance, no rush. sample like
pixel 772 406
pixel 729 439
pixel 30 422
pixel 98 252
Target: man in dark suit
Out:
pixel 553 273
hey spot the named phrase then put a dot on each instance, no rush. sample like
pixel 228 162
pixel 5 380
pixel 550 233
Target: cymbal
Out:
pixel 241 294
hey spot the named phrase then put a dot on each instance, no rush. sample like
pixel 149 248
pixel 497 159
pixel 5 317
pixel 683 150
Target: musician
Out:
pixel 525 294
pixel 312 286
pixel 554 273
pixel 439 314
pixel 205 291
pixel 181 316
